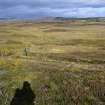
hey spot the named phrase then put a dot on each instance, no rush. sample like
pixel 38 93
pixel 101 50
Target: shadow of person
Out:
pixel 24 96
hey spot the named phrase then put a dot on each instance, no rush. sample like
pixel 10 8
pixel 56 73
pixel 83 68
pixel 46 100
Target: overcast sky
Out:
pixel 45 8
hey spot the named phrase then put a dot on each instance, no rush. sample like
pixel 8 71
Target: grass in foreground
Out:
pixel 64 62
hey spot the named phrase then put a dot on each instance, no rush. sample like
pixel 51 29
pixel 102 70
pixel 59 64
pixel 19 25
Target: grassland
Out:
pixel 65 63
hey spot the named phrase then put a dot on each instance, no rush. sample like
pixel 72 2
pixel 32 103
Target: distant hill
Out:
pixel 6 18
pixel 58 19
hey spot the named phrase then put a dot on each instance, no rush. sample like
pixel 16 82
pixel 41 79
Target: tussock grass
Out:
pixel 65 61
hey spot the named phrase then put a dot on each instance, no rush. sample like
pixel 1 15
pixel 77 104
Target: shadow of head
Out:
pixel 24 96
pixel 26 85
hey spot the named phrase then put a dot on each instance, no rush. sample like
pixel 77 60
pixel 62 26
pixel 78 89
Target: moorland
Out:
pixel 63 61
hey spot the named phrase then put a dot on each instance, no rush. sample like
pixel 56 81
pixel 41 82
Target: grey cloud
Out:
pixel 39 8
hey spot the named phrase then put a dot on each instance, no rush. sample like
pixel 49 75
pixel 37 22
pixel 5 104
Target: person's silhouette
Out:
pixel 24 96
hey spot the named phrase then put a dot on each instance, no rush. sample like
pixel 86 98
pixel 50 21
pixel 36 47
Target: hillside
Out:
pixel 63 61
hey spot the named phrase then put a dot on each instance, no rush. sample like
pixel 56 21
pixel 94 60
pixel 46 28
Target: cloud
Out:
pixel 39 8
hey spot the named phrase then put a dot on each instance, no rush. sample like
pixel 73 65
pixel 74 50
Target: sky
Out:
pixel 51 8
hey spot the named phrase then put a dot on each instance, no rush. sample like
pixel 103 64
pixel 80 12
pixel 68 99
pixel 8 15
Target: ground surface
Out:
pixel 65 62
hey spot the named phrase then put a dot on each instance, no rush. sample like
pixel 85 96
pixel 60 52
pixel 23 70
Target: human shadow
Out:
pixel 24 96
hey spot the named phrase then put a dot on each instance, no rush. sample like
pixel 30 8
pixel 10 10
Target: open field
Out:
pixel 65 61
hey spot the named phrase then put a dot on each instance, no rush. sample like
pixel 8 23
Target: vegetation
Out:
pixel 63 61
